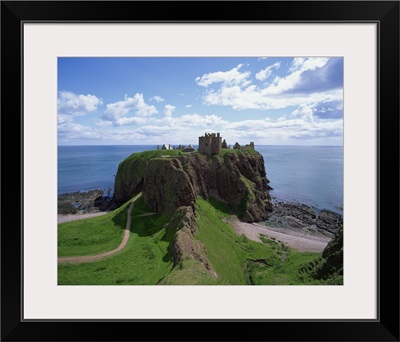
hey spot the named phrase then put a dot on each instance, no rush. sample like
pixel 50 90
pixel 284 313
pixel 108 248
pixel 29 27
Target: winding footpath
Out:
pixel 77 217
pixel 96 257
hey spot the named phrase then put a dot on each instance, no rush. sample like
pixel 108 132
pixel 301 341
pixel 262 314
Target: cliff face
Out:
pixel 330 266
pixel 166 186
pixel 332 258
pixel 129 178
pixel 235 177
pixel 184 245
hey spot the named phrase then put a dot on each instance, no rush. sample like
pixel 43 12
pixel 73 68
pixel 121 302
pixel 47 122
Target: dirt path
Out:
pixel 96 257
pixel 147 214
pixel 300 242
pixel 76 217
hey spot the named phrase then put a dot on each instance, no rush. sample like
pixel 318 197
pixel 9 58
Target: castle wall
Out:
pixel 205 145
pixel 216 145
pixel 210 144
pixel 248 147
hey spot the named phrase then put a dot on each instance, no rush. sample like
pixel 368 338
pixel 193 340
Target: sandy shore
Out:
pixel 298 241
pixel 75 217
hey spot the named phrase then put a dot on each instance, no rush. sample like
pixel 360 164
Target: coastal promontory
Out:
pixel 170 179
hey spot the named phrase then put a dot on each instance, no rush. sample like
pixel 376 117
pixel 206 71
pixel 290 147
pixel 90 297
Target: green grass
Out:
pixel 228 209
pixel 224 209
pixel 226 250
pixel 133 167
pixel 147 155
pixel 189 272
pixel 286 272
pixel 144 261
pixel 225 151
pixel 92 236
pixel 238 260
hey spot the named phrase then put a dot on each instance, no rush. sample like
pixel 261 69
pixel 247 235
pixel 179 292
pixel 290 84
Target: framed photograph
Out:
pixel 177 163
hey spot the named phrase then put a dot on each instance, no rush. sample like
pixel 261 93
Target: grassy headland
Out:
pixel 146 260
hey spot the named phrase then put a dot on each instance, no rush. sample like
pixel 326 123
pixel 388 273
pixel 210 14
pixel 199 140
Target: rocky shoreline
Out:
pixel 84 202
pixel 296 217
pixel 304 219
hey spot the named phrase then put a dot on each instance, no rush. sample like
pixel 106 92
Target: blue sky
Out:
pixel 141 101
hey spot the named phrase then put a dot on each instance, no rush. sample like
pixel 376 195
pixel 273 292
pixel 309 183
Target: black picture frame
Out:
pixel 384 13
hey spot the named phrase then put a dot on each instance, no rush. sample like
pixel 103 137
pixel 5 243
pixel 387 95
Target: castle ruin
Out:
pixel 245 147
pixel 248 146
pixel 210 143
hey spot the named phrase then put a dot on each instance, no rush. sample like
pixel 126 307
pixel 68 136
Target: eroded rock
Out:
pixel 184 245
pixel 236 178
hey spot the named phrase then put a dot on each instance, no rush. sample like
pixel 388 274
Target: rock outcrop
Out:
pixel 303 218
pixel 235 177
pixel 86 202
pixel 184 245
pixel 189 255
pixel 166 186
pixel 333 257
pixel 330 267
pixel 329 221
pixel 294 215
pixel 129 178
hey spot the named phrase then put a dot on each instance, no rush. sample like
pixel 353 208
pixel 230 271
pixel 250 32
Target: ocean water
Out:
pixel 82 168
pixel 312 175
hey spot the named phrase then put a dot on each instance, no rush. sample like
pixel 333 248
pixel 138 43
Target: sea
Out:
pixel 312 175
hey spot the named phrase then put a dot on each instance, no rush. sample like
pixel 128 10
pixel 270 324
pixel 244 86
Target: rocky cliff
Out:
pixel 166 186
pixel 330 266
pixel 184 245
pixel 234 177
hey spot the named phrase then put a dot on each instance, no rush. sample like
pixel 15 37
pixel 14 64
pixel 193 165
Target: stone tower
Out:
pixel 210 143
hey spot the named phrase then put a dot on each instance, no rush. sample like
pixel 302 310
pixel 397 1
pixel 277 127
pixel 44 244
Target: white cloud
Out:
pixel 169 109
pixel 303 64
pixel 296 63
pixel 64 118
pixel 157 98
pixel 188 106
pixel 134 120
pixel 190 120
pixel 103 123
pixel 199 120
pixel 266 131
pixel 179 130
pixel 231 77
pixel 304 112
pixel 69 103
pixel 263 74
pixel 116 112
pixel 72 130
pixel 135 103
pixel 282 92
pixel 253 98
pixel 187 128
pixel 299 66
